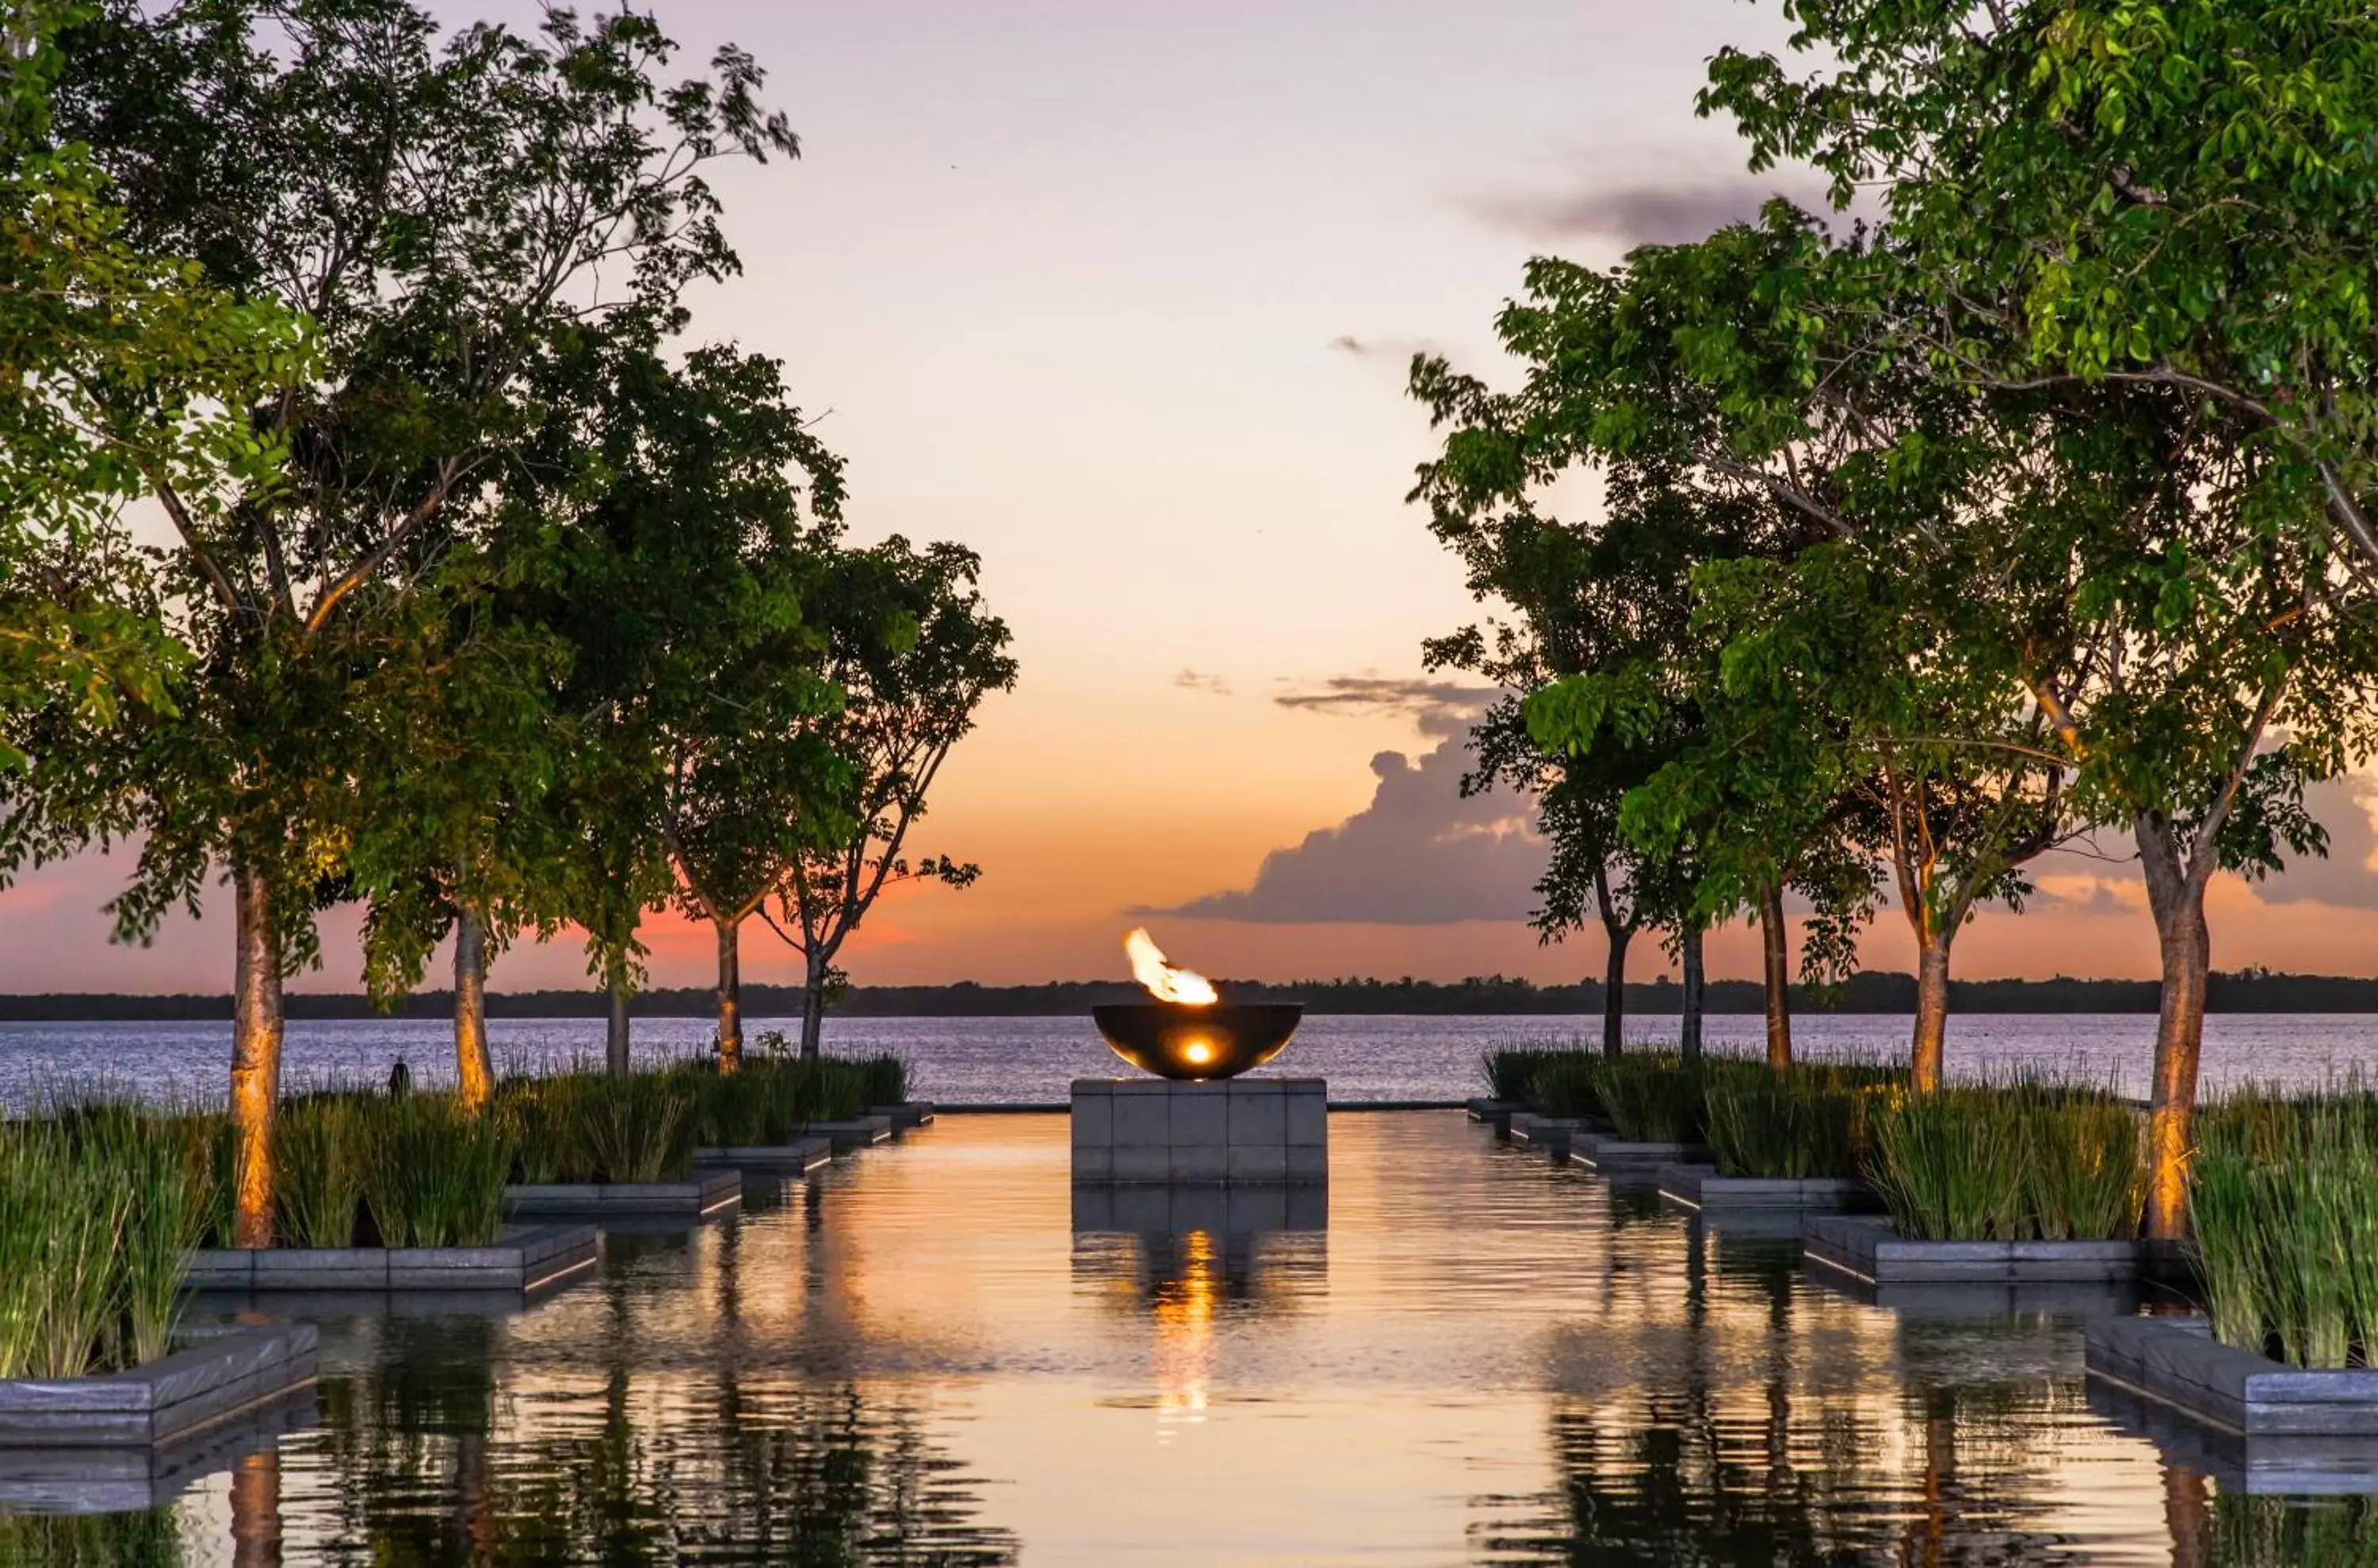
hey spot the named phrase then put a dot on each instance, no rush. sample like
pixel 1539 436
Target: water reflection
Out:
pixel 941 1353
pixel 1182 1258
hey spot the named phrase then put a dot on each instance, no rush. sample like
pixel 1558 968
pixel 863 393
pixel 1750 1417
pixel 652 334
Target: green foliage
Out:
pixel 2284 1202
pixel 771 1101
pixel 433 1173
pixel 318 1149
pixel 1807 1122
pixel 2027 1159
pixel 914 652
pixel 100 1206
pixel 1653 1097
pixel 585 1127
pixel 1552 1080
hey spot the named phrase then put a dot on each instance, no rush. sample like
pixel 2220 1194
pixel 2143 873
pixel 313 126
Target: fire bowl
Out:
pixel 1220 1040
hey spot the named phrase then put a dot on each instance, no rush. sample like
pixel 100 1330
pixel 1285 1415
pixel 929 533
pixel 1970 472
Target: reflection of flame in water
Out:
pixel 1184 1332
pixel 1166 982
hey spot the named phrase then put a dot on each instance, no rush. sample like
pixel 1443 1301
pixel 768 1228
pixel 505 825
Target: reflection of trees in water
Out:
pixel 92 1541
pixel 730 1469
pixel 2274 1532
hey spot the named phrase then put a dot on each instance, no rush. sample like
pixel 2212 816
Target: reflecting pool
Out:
pixel 938 1352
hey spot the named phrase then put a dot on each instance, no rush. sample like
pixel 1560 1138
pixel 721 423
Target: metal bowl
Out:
pixel 1220 1041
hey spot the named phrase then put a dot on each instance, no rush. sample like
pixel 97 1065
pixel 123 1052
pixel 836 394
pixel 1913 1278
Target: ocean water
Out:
pixel 1030 1060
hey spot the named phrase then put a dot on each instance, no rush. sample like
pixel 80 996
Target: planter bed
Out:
pixel 1551 1135
pixel 527 1259
pixel 708 1192
pixel 906 1115
pixel 1869 1249
pixel 2177 1361
pixel 797 1158
pixel 1607 1153
pixel 2271 1463
pixel 862 1132
pixel 133 1478
pixel 1989 1302
pixel 204 1384
pixel 1496 1113
pixel 1700 1186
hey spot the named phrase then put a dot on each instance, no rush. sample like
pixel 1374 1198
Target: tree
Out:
pixel 1616 386
pixel 443 213
pixel 2096 192
pixel 122 363
pixel 2157 213
pixel 914 653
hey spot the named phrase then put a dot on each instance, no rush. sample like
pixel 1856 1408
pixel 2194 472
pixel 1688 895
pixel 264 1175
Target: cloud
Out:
pixel 1420 853
pixel 2346 879
pixel 1669 213
pixel 1196 680
pixel 1439 707
pixel 1397 349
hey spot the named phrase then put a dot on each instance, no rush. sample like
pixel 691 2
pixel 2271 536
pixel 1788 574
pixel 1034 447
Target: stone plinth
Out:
pixel 1246 1130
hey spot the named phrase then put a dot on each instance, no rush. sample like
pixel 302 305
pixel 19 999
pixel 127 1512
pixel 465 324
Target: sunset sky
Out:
pixel 1122 295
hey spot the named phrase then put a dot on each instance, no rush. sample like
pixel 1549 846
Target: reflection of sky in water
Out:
pixel 918 1357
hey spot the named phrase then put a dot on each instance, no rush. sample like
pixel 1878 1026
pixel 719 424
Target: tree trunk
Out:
pixel 256 1511
pixel 1689 1036
pixel 1613 990
pixel 2176 893
pixel 1930 1047
pixel 474 1075
pixel 813 1006
pixel 2187 946
pixel 1774 943
pixel 255 1055
pixel 615 1036
pixel 730 995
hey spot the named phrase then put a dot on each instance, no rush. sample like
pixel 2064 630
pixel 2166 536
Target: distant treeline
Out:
pixel 2251 991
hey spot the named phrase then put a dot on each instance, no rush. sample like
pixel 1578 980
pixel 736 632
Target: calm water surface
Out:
pixel 935 1354
pixel 973 1061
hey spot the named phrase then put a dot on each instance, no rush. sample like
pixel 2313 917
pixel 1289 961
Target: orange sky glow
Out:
pixel 1122 297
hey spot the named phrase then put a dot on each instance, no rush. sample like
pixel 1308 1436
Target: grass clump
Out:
pixel 1511 1070
pixel 2283 1204
pixel 1806 1123
pixel 100 1207
pixel 771 1100
pixel 581 1127
pixel 433 1173
pixel 1653 1097
pixel 2024 1160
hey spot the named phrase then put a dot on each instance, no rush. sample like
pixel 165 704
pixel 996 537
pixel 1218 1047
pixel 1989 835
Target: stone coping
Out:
pixel 1551 1135
pixel 710 1190
pixel 1866 1247
pixel 1608 1152
pixel 797 1158
pixel 1165 1209
pixel 1700 1186
pixel 134 1477
pixel 209 1380
pixel 2177 1361
pixel 526 1258
pixel 2268 1463
pixel 905 1116
pixel 860 1132
pixel 1498 1112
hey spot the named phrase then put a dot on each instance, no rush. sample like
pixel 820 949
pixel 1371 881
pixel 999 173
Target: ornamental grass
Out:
pixel 1511 1071
pixel 1653 1097
pixel 2283 1204
pixel 585 1127
pixel 771 1100
pixel 360 1169
pixel 2026 1159
pixel 1808 1122
pixel 100 1207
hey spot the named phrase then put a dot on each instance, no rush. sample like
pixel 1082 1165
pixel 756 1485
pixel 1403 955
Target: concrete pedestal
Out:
pixel 1245 1129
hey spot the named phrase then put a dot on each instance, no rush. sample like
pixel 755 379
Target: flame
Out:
pixel 1164 982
